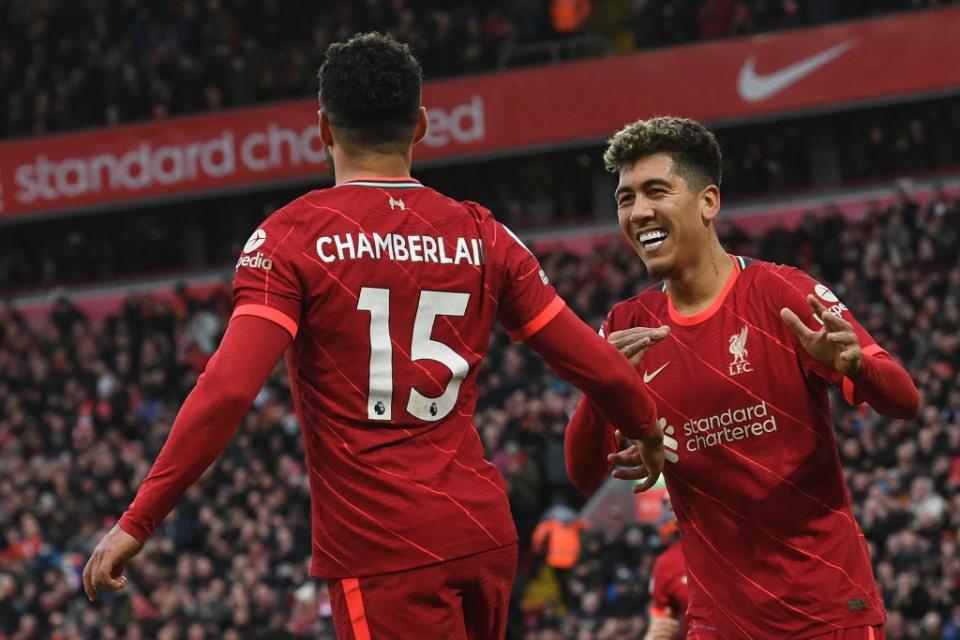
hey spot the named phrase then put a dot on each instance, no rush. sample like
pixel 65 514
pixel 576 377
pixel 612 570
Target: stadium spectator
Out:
pixel 569 16
pixel 117 382
pixel 65 65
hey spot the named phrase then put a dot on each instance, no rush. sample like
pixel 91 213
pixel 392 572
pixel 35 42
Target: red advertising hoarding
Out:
pixel 818 68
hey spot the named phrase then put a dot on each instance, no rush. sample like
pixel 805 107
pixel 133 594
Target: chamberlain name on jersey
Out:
pixel 402 248
pixel 389 290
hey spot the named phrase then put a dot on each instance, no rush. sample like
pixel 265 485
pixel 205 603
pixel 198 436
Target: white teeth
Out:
pixel 649 238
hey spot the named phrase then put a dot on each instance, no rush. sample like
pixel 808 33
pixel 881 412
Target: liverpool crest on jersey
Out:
pixel 738 348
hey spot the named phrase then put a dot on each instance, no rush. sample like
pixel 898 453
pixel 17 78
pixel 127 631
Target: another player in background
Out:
pixel 739 355
pixel 669 592
pixel 383 292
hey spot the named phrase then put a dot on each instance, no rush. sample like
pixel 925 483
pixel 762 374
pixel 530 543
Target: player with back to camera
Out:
pixel 382 292
pixel 739 354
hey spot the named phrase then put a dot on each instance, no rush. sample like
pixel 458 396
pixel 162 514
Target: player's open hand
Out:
pixel 663 627
pixel 105 567
pixel 634 342
pixel 642 460
pixel 835 344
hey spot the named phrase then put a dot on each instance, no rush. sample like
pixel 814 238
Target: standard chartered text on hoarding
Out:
pixel 147 165
pixel 209 160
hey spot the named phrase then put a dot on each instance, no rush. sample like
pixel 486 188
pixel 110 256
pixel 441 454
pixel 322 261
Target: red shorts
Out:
pixel 854 633
pixel 462 599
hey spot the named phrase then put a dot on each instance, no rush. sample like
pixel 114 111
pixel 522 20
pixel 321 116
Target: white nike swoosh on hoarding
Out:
pixel 647 377
pixel 753 87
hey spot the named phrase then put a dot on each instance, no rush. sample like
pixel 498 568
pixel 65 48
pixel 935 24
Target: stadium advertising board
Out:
pixel 802 70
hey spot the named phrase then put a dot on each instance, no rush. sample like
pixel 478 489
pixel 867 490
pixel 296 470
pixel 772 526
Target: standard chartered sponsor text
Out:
pixel 729 426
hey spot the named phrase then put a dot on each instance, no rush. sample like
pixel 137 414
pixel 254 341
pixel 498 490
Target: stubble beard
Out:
pixel 661 272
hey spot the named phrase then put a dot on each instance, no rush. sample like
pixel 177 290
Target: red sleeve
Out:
pixel 208 419
pixel 794 296
pixel 882 382
pixel 584 359
pixel 588 441
pixel 884 385
pixel 527 300
pixel 266 283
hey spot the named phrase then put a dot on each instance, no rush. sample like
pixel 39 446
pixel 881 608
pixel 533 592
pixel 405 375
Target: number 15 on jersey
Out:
pixel 431 304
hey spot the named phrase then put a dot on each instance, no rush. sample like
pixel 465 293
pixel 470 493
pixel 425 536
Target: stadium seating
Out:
pixel 65 65
pixel 87 404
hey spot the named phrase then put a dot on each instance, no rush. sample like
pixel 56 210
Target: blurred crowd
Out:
pixel 85 407
pixel 70 64
pixel 664 22
pixel 529 192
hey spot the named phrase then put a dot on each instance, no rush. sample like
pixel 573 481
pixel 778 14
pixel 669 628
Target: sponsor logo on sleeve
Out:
pixel 258 260
pixel 833 303
pixel 256 239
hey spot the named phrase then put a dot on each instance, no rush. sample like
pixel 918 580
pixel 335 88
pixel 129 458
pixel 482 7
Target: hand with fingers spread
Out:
pixel 105 567
pixel 834 345
pixel 642 460
pixel 633 343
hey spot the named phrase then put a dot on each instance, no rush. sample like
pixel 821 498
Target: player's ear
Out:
pixel 326 134
pixel 421 129
pixel 710 202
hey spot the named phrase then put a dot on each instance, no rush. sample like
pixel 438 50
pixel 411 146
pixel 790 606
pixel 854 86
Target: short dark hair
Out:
pixel 370 90
pixel 693 148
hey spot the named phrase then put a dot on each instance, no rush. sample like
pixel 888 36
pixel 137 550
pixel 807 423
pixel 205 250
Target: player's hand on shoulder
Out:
pixel 663 627
pixel 633 343
pixel 834 345
pixel 642 460
pixel 104 569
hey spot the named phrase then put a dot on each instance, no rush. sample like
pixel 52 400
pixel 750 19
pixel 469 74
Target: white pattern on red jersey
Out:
pixel 769 537
pixel 390 290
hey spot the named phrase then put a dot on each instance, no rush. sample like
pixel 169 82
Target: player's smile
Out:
pixel 652 239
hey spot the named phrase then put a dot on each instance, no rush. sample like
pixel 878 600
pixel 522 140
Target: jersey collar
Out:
pixel 706 314
pixel 383 183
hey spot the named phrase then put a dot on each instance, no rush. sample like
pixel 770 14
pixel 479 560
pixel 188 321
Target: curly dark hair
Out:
pixel 693 148
pixel 370 90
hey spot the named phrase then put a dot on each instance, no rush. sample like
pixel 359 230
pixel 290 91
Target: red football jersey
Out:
pixel 770 541
pixel 668 585
pixel 390 290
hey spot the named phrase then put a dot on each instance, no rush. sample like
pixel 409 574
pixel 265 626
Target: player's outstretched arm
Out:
pixel 205 424
pixel 613 387
pixel 874 377
pixel 587 442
